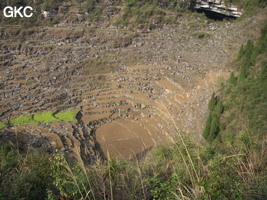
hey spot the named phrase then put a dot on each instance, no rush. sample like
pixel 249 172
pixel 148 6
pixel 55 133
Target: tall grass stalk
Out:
pixel 110 178
pixel 183 142
pixel 85 172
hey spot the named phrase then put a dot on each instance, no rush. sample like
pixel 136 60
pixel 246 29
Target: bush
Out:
pixel 222 182
pixel 23 176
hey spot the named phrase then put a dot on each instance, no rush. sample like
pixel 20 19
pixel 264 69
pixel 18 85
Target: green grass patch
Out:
pixel 28 119
pixel 45 117
pixel 67 116
pixel 2 125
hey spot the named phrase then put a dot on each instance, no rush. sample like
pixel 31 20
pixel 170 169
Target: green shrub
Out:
pixel 161 189
pixel 23 176
pixel 222 182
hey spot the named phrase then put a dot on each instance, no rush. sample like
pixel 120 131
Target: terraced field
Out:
pixel 130 98
pixel 145 111
pixel 136 111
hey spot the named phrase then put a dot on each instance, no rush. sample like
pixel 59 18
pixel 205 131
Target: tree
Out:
pixel 241 52
pixel 232 79
pixel 213 102
pixel 243 74
pixel 218 109
pixel 249 54
pixel 207 127
pixel 214 129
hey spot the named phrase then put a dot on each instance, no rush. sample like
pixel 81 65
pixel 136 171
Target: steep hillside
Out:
pixel 109 99
pixel 240 109
pixel 232 165
pixel 156 79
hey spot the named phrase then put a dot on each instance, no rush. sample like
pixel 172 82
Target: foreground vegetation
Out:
pixel 180 171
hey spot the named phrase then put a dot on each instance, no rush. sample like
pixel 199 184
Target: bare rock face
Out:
pixel 218 7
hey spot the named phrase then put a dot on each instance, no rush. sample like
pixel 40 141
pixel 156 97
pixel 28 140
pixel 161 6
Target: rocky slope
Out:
pixel 135 89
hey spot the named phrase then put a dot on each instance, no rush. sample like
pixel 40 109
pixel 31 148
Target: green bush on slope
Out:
pixel 23 176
